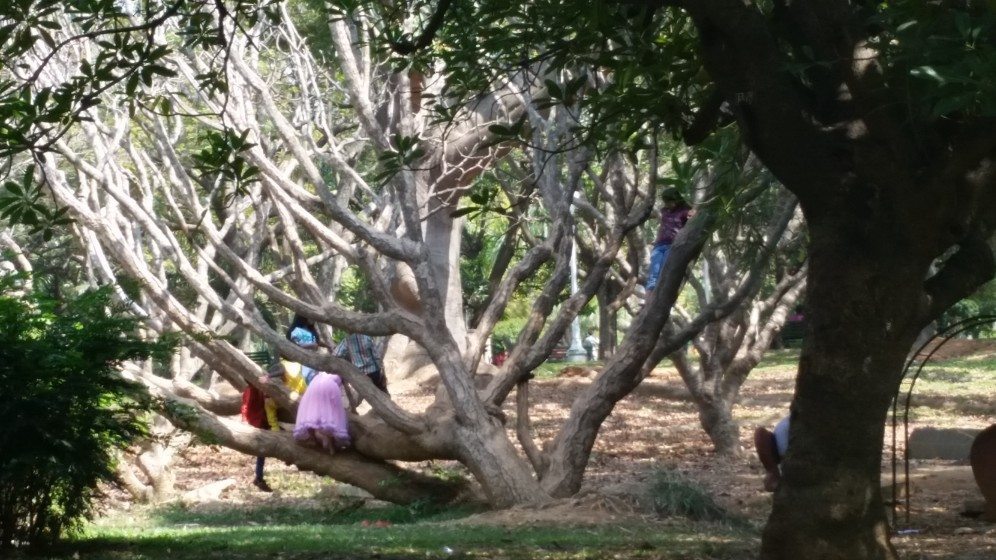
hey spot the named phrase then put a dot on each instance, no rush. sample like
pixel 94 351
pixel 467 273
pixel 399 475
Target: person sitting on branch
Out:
pixel 771 448
pixel 363 352
pixel 674 215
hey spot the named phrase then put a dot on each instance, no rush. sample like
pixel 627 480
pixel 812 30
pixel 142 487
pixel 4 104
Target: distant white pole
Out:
pixel 576 352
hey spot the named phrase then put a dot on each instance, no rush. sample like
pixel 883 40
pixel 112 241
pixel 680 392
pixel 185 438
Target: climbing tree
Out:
pixel 254 191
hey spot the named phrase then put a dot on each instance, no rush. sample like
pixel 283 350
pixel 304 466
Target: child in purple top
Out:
pixel 674 216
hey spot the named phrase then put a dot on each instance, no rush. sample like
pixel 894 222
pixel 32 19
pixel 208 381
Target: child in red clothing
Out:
pixel 254 413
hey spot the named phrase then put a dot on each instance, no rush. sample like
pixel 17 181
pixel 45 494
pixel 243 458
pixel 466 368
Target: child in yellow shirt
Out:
pixel 289 373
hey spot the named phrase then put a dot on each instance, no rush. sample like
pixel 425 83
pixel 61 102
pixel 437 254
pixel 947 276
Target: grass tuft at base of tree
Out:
pixel 674 494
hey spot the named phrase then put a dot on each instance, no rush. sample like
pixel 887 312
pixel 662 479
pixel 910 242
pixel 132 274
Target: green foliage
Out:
pixel 312 19
pixel 22 202
pixel 38 107
pixel 944 58
pixel 630 66
pixel 480 241
pixel 340 512
pixel 405 152
pixel 950 390
pixel 506 332
pixel 355 293
pixel 981 303
pixel 223 158
pixel 65 408
pixel 674 494
pixel 485 198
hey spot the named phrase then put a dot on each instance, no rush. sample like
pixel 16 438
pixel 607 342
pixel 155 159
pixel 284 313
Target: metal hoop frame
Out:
pixel 944 335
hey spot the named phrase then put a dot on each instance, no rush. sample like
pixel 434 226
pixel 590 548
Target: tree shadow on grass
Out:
pixel 305 512
pixel 437 540
pixel 961 405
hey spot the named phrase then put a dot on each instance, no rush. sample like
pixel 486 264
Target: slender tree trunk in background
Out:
pixel 570 450
pixel 716 415
pixel 608 320
pixel 156 461
pixel 715 407
pixel 442 238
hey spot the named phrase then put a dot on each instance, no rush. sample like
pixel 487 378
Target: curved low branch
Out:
pixel 973 265
pixel 372 475
pixel 210 400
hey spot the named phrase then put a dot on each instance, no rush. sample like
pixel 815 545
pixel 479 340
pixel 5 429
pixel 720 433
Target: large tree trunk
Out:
pixel 501 471
pixel 863 311
pixel 830 505
pixel 884 193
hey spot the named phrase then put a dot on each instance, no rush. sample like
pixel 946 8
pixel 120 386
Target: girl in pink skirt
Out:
pixel 321 416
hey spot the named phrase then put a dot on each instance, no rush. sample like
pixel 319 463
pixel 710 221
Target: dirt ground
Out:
pixel 657 427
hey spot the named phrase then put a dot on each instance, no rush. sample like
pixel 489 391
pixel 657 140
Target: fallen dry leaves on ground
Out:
pixel 657 427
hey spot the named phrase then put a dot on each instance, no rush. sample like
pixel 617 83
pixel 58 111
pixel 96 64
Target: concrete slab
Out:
pixel 941 443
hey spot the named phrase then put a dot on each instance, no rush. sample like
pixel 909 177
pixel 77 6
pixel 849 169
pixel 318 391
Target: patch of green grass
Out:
pixel 294 483
pixel 945 375
pixel 780 359
pixel 345 512
pixel 966 378
pixel 190 538
pixel 985 362
pixel 948 391
pixel 550 370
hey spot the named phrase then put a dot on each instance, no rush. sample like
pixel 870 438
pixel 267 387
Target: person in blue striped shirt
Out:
pixel 364 353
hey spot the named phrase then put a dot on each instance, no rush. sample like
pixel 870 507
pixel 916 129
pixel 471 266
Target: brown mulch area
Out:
pixel 657 427
pixel 958 348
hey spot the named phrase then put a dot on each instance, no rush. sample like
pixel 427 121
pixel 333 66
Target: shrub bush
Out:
pixel 64 408
pixel 674 494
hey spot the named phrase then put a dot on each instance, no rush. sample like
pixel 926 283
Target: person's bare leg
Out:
pixel 324 440
pixel 767 452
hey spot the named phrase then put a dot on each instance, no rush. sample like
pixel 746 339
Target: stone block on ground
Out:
pixel 208 493
pixel 350 491
pixel 941 443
